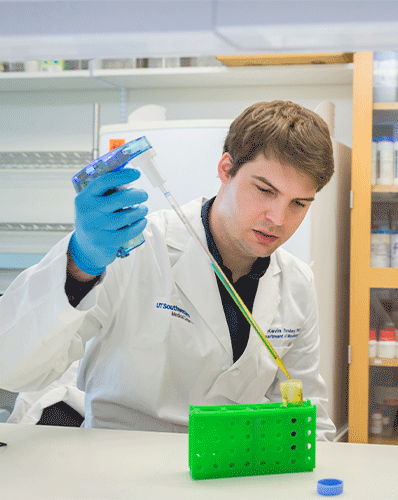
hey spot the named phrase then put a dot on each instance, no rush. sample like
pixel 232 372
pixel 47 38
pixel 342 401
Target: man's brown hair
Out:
pixel 285 132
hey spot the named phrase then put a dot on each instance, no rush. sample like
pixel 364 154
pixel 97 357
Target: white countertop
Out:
pixel 42 462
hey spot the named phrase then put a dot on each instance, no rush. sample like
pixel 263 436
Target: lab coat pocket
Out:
pixel 282 347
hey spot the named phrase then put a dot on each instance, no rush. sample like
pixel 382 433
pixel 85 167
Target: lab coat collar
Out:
pixel 247 380
pixel 177 236
pixel 194 275
pixel 198 282
pixel 265 305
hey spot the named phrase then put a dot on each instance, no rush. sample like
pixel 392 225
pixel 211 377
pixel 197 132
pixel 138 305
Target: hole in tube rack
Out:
pixel 263 462
pixel 232 464
pixel 294 433
pixel 309 433
pixel 247 464
pixel 277 463
pixel 293 447
pixel 294 420
pixel 309 419
pixel 308 446
pixel 292 461
pixel 215 466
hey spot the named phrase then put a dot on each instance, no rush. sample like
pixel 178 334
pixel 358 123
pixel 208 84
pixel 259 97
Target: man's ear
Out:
pixel 224 166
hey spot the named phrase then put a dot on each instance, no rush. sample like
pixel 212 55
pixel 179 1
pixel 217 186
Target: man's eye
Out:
pixel 263 190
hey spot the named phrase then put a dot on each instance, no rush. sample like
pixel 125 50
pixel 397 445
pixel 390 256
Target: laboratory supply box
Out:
pixel 253 439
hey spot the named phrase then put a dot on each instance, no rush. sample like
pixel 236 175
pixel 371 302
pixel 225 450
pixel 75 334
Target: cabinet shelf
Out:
pixel 380 106
pixel 383 277
pixel 383 440
pixel 384 189
pixel 383 362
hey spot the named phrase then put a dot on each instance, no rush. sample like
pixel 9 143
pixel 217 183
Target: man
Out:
pixel 157 331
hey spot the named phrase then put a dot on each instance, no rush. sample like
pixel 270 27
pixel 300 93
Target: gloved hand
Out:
pixel 105 219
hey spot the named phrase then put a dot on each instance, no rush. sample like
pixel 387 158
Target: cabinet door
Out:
pixel 373 384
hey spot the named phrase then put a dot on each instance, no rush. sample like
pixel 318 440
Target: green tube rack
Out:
pixel 249 440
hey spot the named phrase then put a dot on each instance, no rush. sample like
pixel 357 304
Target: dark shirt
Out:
pixel 246 287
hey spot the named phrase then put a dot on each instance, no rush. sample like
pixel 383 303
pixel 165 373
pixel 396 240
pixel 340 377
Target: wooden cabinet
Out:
pixel 372 290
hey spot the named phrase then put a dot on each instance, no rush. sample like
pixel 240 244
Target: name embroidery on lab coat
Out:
pixel 175 311
pixel 283 333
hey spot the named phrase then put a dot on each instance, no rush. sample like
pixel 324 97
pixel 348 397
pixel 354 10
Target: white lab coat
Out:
pixel 29 406
pixel 153 334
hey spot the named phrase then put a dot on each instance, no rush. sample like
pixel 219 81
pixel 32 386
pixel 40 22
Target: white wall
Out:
pixel 63 120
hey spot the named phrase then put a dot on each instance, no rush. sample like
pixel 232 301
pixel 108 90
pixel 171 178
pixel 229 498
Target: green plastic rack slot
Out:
pixel 249 440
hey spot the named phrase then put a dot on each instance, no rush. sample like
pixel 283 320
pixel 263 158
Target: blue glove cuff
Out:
pixel 81 261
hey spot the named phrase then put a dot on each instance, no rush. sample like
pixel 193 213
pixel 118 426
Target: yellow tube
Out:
pixel 292 391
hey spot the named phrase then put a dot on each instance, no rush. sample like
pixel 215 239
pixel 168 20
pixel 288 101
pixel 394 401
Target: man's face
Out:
pixel 262 205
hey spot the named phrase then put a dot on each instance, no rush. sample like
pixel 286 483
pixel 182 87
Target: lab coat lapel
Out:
pixel 248 379
pixel 195 277
pixel 267 298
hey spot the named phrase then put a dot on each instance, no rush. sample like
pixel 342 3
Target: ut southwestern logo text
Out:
pixel 175 311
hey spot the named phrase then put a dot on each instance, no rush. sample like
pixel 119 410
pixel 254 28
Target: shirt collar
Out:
pixel 261 263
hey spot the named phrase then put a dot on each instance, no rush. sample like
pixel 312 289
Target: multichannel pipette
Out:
pixel 140 153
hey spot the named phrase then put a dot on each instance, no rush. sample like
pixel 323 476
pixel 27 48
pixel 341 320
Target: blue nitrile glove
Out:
pixel 104 222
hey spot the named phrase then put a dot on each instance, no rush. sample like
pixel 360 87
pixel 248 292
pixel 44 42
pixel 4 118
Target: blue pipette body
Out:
pixel 138 153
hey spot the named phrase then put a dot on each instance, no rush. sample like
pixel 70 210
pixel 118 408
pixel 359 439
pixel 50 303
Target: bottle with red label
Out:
pixel 386 347
pixel 372 344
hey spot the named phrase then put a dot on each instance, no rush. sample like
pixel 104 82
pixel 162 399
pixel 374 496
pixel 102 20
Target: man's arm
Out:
pixel 78 283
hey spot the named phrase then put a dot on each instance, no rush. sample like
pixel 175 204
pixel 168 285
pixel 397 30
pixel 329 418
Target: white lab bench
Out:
pixel 41 462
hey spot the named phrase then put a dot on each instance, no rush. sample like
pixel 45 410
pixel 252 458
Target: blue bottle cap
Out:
pixel 330 487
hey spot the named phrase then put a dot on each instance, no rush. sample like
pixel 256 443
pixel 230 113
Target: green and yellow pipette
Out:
pixel 143 154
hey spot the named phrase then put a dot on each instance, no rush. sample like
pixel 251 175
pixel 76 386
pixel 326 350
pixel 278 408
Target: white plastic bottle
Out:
pixel 380 247
pixel 396 348
pixel 385 157
pixel 372 344
pixel 395 143
pixel 385 76
pixel 387 344
pixel 375 166
pixel 394 245
pixel 376 423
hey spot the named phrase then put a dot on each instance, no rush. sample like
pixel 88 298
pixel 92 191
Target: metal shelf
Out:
pixel 192 77
pixel 36 226
pixel 44 159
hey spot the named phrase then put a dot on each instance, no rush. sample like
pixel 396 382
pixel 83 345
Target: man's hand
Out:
pixel 105 218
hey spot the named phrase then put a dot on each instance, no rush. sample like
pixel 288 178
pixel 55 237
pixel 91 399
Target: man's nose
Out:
pixel 277 213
